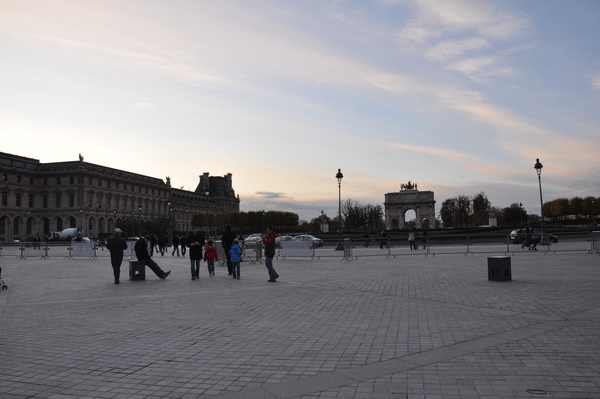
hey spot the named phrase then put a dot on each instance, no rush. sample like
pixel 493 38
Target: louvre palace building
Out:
pixel 40 198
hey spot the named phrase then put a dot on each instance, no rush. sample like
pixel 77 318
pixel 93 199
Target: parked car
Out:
pixel 317 242
pixel 253 239
pixel 12 242
pixel 278 239
pixel 518 236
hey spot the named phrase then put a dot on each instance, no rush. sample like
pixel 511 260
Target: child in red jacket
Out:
pixel 210 256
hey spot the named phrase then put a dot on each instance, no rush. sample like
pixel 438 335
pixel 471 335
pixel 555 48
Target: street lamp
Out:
pixel 521 212
pixel 206 193
pixel 81 217
pixel 340 245
pixel 593 213
pixel 139 219
pixel 170 226
pixel 538 168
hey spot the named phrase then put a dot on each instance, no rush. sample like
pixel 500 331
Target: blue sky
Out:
pixel 460 97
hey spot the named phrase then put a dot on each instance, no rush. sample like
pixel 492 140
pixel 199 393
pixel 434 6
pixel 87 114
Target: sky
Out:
pixel 460 97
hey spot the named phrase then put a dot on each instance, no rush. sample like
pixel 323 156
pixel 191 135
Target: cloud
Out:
pixel 448 30
pixel 142 105
pixel 596 82
pixel 272 195
pixel 453 48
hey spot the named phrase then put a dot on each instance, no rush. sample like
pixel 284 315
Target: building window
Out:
pixel 30 200
pixel 4 198
pixel 58 198
pixel 18 200
pixel 19 179
pixel 117 185
pixel 58 180
pixel 45 201
pixel 71 200
pixel 99 182
pixel 45 181
pixel 31 181
pixel 71 180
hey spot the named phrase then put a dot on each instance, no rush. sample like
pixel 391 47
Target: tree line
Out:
pixel 471 211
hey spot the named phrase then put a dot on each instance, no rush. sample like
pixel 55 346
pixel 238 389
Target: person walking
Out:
pixel 141 252
pixel 227 241
pixel 383 241
pixel 162 244
pixel 411 240
pixel 268 241
pixel 195 242
pixel 152 244
pixel 175 242
pixel 210 256
pixel 183 245
pixel 236 258
pixel 116 245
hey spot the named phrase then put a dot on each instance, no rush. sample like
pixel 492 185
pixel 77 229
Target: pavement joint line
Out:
pixel 343 377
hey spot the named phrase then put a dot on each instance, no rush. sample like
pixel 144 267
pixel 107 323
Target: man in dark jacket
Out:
pixel 141 252
pixel 116 245
pixel 268 241
pixel 226 241
pixel 195 242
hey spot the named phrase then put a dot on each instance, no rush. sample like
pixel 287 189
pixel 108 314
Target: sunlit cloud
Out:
pixel 142 105
pixel 453 48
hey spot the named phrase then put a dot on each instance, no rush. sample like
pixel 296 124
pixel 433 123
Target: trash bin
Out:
pixel 137 270
pixel 499 268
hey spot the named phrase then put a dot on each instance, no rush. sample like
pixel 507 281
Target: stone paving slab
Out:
pixel 376 327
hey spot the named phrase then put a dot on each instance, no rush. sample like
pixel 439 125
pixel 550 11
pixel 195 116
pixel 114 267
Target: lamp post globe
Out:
pixel 340 245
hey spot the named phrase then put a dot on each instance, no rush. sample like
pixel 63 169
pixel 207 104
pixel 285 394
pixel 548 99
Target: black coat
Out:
pixel 141 249
pixel 195 243
pixel 116 245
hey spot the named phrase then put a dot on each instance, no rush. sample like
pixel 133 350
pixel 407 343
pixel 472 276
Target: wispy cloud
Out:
pixel 456 32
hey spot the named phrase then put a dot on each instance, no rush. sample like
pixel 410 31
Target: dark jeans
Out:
pixel 116 265
pixel 269 264
pixel 229 265
pixel 154 267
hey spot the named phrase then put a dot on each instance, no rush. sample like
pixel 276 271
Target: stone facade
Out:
pixel 409 198
pixel 39 198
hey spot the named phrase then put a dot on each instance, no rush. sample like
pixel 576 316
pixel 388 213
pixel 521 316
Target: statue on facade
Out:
pixel 169 181
pixel 80 157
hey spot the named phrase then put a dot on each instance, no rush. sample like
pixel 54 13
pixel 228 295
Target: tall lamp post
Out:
pixel 139 219
pixel 340 245
pixel 170 224
pixel 538 168
pixel 81 215
pixel 593 213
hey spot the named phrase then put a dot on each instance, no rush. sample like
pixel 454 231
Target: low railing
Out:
pixel 460 244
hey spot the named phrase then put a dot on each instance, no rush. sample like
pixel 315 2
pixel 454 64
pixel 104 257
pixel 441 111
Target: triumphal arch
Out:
pixel 409 198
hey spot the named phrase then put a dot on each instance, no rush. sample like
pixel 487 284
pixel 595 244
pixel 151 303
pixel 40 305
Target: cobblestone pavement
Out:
pixel 372 327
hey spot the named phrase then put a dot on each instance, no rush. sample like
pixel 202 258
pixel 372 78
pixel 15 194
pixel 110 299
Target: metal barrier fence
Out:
pixel 466 244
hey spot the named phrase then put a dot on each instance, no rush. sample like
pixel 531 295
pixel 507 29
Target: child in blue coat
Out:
pixel 236 257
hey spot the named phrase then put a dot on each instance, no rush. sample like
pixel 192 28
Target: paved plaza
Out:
pixel 373 327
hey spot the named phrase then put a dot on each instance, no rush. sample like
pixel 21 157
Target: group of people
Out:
pixel 413 239
pixel 531 239
pixel 199 249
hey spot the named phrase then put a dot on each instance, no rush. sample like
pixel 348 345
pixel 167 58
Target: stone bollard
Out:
pixel 499 268
pixel 137 270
